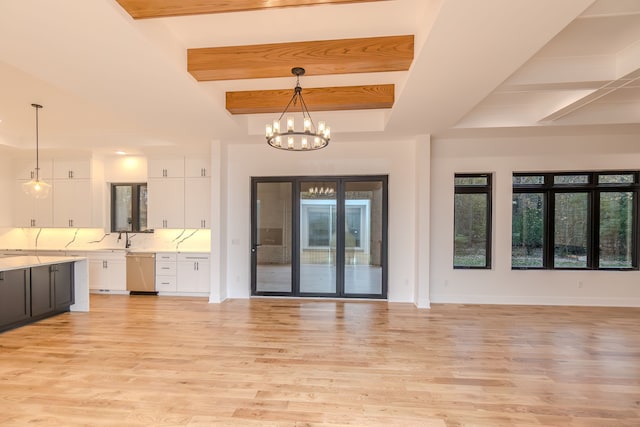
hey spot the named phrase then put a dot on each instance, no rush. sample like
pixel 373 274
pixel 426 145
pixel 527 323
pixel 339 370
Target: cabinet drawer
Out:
pixel 165 256
pixel 166 284
pixel 193 257
pixel 165 268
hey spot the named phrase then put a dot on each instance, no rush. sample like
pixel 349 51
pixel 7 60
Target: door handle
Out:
pixel 255 248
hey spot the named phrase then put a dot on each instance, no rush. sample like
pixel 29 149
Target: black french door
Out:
pixel 319 236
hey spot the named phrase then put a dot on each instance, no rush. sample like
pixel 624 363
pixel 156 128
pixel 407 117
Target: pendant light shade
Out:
pixel 36 188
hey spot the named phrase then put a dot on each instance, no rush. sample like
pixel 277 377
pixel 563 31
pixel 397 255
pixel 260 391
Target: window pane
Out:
pixel 527 230
pixel 353 231
pixel 471 180
pixel 528 180
pixel 321 225
pixel 122 208
pixel 142 207
pixel 470 226
pixel 571 230
pixel 626 178
pixel 616 231
pixel 571 179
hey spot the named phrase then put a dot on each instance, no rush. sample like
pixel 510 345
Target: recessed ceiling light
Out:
pixel 122 153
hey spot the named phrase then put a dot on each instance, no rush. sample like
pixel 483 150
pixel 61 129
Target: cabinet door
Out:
pixel 14 297
pixel 166 168
pixel 63 286
pixel 71 169
pixel 117 274
pixel 193 273
pixel 197 167
pixel 31 212
pixel 108 273
pixel 197 202
pixel 26 169
pixel 41 291
pixel 165 205
pixel 97 274
pixel 68 210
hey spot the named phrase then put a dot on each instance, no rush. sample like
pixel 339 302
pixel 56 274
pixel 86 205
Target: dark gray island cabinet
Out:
pixel 34 288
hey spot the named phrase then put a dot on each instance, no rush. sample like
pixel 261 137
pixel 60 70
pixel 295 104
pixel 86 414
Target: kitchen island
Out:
pixel 35 287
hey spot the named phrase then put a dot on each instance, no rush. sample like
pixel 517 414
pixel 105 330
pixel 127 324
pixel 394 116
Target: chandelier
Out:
pixel 35 187
pixel 309 138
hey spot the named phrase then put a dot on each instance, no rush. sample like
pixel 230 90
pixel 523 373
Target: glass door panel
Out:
pixel 272 237
pixel 363 237
pixel 318 225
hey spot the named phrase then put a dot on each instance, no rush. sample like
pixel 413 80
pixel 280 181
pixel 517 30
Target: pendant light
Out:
pixel 35 187
pixel 309 138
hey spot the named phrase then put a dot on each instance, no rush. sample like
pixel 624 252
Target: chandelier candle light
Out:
pixel 35 187
pixel 310 138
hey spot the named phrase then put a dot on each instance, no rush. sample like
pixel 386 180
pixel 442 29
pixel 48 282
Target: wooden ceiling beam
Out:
pixel 143 9
pixel 317 99
pixel 345 56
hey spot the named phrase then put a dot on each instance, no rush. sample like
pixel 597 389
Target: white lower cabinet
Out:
pixel 107 271
pixel 166 272
pixel 193 273
pixel 183 273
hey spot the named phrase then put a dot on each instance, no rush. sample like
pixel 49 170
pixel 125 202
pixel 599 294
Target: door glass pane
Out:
pixel 527 230
pixel 318 237
pixel 470 230
pixel 273 229
pixel 616 232
pixel 363 238
pixel 122 211
pixel 571 230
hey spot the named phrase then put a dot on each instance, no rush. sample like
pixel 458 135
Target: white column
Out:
pixel 218 291
pixel 423 207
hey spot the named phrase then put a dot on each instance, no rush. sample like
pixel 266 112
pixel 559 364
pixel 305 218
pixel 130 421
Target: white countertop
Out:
pixel 19 262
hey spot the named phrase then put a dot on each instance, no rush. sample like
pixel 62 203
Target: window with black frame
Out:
pixel 129 207
pixel 472 221
pixel 575 220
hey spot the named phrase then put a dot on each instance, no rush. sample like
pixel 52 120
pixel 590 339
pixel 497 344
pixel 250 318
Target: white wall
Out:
pixel 393 158
pixel 500 284
pixel 7 185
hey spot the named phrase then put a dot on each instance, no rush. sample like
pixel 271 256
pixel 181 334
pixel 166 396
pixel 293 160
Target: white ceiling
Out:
pixel 491 67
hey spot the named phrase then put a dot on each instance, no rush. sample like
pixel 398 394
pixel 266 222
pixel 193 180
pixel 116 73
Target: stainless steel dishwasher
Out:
pixel 141 273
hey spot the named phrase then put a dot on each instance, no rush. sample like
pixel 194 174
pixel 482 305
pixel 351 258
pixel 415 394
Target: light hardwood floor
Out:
pixel 161 361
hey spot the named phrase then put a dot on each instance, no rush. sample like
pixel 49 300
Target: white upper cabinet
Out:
pixel 166 168
pixel 72 169
pixel 165 203
pixel 197 199
pixel 29 211
pixel 197 167
pixel 179 200
pixel 26 169
pixel 67 211
pixel 74 200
